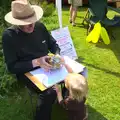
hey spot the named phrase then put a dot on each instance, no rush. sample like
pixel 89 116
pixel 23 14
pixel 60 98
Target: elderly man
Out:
pixel 26 45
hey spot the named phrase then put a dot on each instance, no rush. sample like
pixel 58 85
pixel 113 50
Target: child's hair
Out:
pixel 77 86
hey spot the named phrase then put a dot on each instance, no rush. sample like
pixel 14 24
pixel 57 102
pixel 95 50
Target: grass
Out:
pixel 103 63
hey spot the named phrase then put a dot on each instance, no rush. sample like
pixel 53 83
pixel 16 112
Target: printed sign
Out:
pixel 63 38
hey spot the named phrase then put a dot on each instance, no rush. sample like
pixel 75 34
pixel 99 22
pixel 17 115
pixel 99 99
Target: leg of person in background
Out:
pixel 71 12
pixel 74 14
pixel 45 102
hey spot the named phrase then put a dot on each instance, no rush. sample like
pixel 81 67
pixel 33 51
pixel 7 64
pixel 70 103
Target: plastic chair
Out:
pixel 97 11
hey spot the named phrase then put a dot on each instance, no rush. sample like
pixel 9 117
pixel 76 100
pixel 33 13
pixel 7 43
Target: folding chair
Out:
pixel 97 11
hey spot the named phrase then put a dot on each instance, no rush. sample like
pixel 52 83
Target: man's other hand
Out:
pixel 42 62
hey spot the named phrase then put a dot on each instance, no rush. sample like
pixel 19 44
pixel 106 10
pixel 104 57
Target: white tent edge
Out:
pixel 59 11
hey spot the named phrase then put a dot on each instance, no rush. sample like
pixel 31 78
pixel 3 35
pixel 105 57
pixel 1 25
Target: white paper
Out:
pixel 51 77
pixel 76 67
pixel 55 76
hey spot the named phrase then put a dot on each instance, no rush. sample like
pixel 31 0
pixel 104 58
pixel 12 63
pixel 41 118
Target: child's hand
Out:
pixel 57 88
pixel 58 91
pixel 62 61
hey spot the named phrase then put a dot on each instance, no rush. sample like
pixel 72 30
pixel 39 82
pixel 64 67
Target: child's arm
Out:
pixel 69 69
pixel 59 93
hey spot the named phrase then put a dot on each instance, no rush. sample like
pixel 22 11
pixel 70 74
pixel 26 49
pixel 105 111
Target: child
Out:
pixel 74 102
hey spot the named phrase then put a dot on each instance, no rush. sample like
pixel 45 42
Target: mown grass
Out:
pixel 103 63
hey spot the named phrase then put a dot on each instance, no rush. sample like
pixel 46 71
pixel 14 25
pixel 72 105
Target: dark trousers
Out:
pixel 45 99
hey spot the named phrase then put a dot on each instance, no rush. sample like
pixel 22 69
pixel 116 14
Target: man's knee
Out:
pixel 48 96
pixel 52 95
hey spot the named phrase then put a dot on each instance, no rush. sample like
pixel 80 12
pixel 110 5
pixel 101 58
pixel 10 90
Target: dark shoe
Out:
pixel 70 20
pixel 73 24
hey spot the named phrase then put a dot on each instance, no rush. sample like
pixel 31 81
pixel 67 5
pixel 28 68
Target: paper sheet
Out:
pixel 51 77
pixel 76 67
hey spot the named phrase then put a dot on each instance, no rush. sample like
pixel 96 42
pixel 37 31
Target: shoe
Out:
pixel 70 20
pixel 73 24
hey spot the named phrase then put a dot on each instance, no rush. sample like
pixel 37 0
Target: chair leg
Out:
pixel 84 19
pixel 63 88
pixel 62 85
pixel 113 36
pixel 89 28
pixel 110 33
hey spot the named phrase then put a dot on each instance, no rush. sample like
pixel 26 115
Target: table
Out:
pixel 65 2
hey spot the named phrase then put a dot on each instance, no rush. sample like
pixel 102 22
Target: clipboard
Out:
pixel 77 68
pixel 43 79
pixel 36 81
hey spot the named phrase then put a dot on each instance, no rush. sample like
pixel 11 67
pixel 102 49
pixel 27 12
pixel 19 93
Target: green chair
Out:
pixel 97 11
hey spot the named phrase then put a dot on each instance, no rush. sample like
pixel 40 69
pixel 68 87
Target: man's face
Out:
pixel 28 28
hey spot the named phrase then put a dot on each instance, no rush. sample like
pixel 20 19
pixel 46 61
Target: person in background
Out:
pixel 74 101
pixel 73 10
pixel 26 45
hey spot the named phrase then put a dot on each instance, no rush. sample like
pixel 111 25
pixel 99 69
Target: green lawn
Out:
pixel 103 63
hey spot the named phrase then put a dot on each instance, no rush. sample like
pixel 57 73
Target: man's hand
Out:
pixel 42 62
pixel 61 59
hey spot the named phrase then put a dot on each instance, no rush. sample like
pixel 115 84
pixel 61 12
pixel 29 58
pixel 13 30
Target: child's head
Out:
pixel 77 86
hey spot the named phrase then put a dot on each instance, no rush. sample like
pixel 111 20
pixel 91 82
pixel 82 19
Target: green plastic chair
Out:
pixel 97 11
